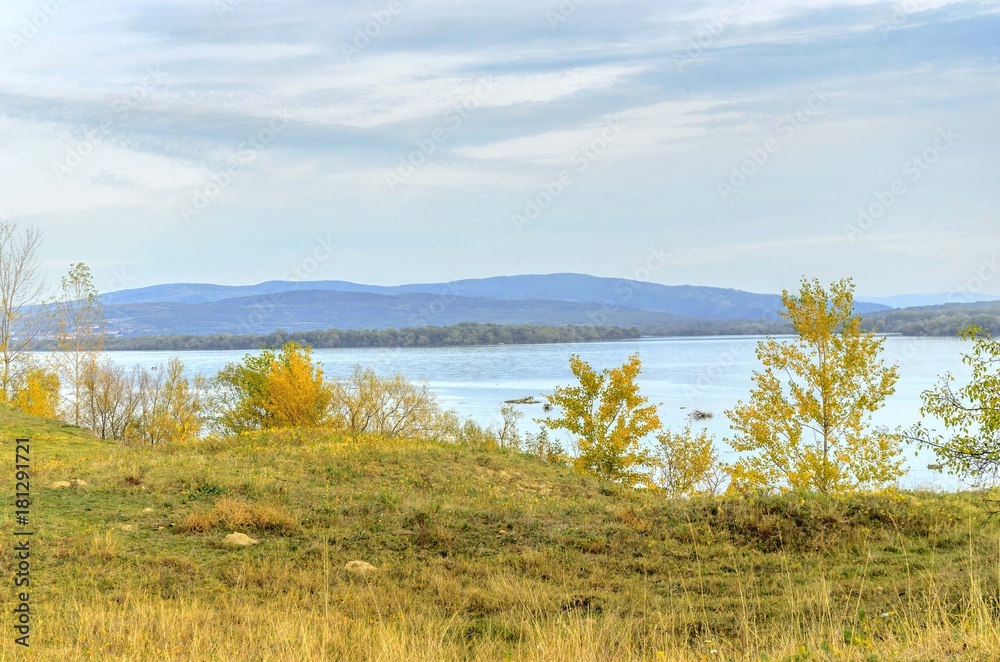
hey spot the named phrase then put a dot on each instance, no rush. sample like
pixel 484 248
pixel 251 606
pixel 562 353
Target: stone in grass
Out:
pixel 62 484
pixel 360 568
pixel 239 540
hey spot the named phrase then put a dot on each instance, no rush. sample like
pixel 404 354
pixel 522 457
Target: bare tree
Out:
pixel 508 435
pixel 109 397
pixel 21 293
pixel 387 406
pixel 80 331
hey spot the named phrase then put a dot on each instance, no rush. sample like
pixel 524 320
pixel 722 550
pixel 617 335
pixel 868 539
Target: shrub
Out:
pixel 389 407
pixel 138 405
pixel 170 405
pixel 687 463
pixel 491 437
pixel 542 447
pixel 271 390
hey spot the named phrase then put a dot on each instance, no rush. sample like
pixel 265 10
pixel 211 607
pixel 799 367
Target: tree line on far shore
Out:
pixel 943 321
pixel 936 321
pixel 459 335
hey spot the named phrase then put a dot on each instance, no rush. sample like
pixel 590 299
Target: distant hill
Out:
pixel 554 299
pixel 207 293
pixel 942 320
pixel 915 300
pixel 687 300
pixel 310 310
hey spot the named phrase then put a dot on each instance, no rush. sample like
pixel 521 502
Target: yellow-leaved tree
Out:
pixel 296 395
pixel 608 418
pixel 37 392
pixel 805 426
pixel 272 389
pixel 688 464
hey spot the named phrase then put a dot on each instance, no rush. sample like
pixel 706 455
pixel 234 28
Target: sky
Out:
pixel 738 144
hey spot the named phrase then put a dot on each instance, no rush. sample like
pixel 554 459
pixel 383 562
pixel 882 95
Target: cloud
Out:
pixel 503 95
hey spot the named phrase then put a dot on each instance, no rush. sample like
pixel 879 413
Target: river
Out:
pixel 682 374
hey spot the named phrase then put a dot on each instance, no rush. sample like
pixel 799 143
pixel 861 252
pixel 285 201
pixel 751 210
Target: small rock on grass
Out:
pixel 360 568
pixel 239 540
pixel 62 484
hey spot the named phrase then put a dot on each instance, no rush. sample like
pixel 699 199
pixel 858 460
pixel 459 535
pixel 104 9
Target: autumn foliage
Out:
pixel 287 388
pixel 805 426
pixel 271 390
pixel 389 406
pixel 607 417
pixel 970 414
pixel 687 463
pixel 37 392
pixel 296 394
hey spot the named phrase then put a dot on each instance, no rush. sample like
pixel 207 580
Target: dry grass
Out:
pixel 238 515
pixel 482 556
pixel 143 628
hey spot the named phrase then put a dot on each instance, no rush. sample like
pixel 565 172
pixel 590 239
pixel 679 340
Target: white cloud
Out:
pixel 553 93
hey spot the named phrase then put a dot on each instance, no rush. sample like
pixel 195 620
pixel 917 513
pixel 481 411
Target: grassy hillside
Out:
pixel 480 555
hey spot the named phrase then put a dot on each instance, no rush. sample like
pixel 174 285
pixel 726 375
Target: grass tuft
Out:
pixel 240 515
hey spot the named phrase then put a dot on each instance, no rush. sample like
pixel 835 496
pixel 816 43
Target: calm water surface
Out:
pixel 682 374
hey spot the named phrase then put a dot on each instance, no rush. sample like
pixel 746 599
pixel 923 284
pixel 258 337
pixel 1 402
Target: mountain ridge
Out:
pixel 542 299
pixel 557 286
pixel 548 300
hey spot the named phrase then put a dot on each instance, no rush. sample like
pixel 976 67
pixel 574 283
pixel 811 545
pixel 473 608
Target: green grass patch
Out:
pixel 480 555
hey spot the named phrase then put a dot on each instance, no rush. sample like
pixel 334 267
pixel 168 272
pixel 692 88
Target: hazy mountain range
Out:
pixel 550 299
pixel 915 300
pixel 553 299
